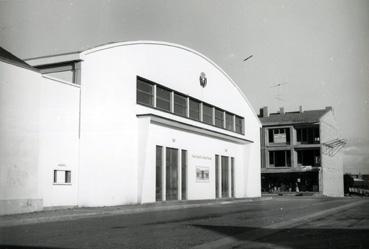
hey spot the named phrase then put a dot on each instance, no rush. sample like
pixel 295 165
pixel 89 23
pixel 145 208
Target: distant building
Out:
pixel 300 152
pixel 123 123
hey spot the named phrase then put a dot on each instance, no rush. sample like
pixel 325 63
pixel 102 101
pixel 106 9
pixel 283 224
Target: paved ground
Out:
pixel 283 222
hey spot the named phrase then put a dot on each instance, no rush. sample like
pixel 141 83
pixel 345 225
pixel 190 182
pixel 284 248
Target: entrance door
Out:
pixel 171 174
pixel 217 176
pixel 225 180
pixel 159 165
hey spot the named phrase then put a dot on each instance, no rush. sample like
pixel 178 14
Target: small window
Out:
pixel 145 92
pixel 239 125
pixel 62 177
pixel 229 121
pixel 219 118
pixel 68 176
pixel 207 116
pixel 194 109
pixel 180 105
pixel 163 98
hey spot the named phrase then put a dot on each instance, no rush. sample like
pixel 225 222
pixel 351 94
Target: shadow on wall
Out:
pixel 295 238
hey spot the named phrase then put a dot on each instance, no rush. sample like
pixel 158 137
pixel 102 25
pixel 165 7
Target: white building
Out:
pixel 125 123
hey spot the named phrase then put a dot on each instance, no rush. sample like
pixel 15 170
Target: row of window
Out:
pixel 282 158
pixel 154 95
pixel 304 135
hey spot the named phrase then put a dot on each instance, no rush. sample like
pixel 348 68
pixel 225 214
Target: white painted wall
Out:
pixel 59 142
pixel 332 166
pixel 19 139
pixel 111 162
pixel 38 132
pixel 201 151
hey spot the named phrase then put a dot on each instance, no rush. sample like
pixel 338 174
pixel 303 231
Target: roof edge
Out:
pixel 162 43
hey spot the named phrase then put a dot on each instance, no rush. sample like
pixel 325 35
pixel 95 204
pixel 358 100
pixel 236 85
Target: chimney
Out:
pixel 300 108
pixel 281 110
pixel 328 108
pixel 264 112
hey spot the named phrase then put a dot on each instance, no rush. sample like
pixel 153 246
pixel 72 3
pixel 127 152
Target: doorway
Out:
pixel 171 174
pixel 225 180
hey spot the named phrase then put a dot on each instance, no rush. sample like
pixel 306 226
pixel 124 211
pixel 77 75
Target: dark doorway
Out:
pixel 171 174
pixel 225 180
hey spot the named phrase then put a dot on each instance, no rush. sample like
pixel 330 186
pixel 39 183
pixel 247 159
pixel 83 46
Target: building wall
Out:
pixel 332 166
pixel 38 133
pixel 201 151
pixel 110 131
pixel 19 139
pixel 59 142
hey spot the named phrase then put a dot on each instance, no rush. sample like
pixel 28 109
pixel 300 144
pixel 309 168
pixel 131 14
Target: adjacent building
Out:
pixel 300 152
pixel 124 123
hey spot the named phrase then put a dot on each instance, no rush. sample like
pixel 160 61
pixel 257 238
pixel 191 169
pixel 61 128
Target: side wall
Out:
pixel 19 140
pixel 332 166
pixel 59 142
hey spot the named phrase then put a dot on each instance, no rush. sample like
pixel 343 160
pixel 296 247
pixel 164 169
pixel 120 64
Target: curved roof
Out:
pixel 118 44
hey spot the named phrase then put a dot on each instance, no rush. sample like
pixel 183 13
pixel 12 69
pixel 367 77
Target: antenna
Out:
pixel 278 95
pixel 248 58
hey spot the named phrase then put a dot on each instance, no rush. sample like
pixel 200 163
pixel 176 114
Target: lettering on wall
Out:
pixel 202 157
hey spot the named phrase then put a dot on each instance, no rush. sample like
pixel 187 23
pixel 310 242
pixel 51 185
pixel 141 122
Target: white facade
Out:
pixel 38 134
pixel 107 140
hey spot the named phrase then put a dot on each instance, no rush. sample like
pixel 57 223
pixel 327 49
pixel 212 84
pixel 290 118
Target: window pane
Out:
pixel 55 176
pixel 229 121
pixel 171 174
pixel 194 109
pixel 163 98
pixel 207 114
pixel 232 177
pixel 145 93
pixel 219 118
pixel 225 189
pixel 217 176
pixel 159 163
pixel 68 176
pixel 271 157
pixel 184 174
pixel 239 125
pixel 180 105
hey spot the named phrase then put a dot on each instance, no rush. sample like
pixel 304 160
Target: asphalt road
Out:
pixel 285 222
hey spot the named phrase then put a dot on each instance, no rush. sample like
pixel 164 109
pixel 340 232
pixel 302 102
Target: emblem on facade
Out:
pixel 203 79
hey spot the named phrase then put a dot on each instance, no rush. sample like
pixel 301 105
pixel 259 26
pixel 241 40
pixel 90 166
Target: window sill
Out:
pixel 62 183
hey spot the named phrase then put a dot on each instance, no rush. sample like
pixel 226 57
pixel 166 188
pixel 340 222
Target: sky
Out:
pixel 308 52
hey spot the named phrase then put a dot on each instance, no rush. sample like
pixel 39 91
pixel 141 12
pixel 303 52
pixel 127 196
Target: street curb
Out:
pixel 82 213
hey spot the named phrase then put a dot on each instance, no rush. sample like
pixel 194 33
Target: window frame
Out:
pixel 152 95
pixel 176 94
pixel 192 100
pixel 238 122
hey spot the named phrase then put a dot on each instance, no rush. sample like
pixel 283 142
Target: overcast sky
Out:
pixel 317 50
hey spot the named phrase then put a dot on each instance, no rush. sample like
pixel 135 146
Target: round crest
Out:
pixel 203 79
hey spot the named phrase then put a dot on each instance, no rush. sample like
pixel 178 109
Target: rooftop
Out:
pixel 8 57
pixel 281 117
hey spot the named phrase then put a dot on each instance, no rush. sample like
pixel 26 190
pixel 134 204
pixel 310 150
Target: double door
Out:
pixel 175 174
